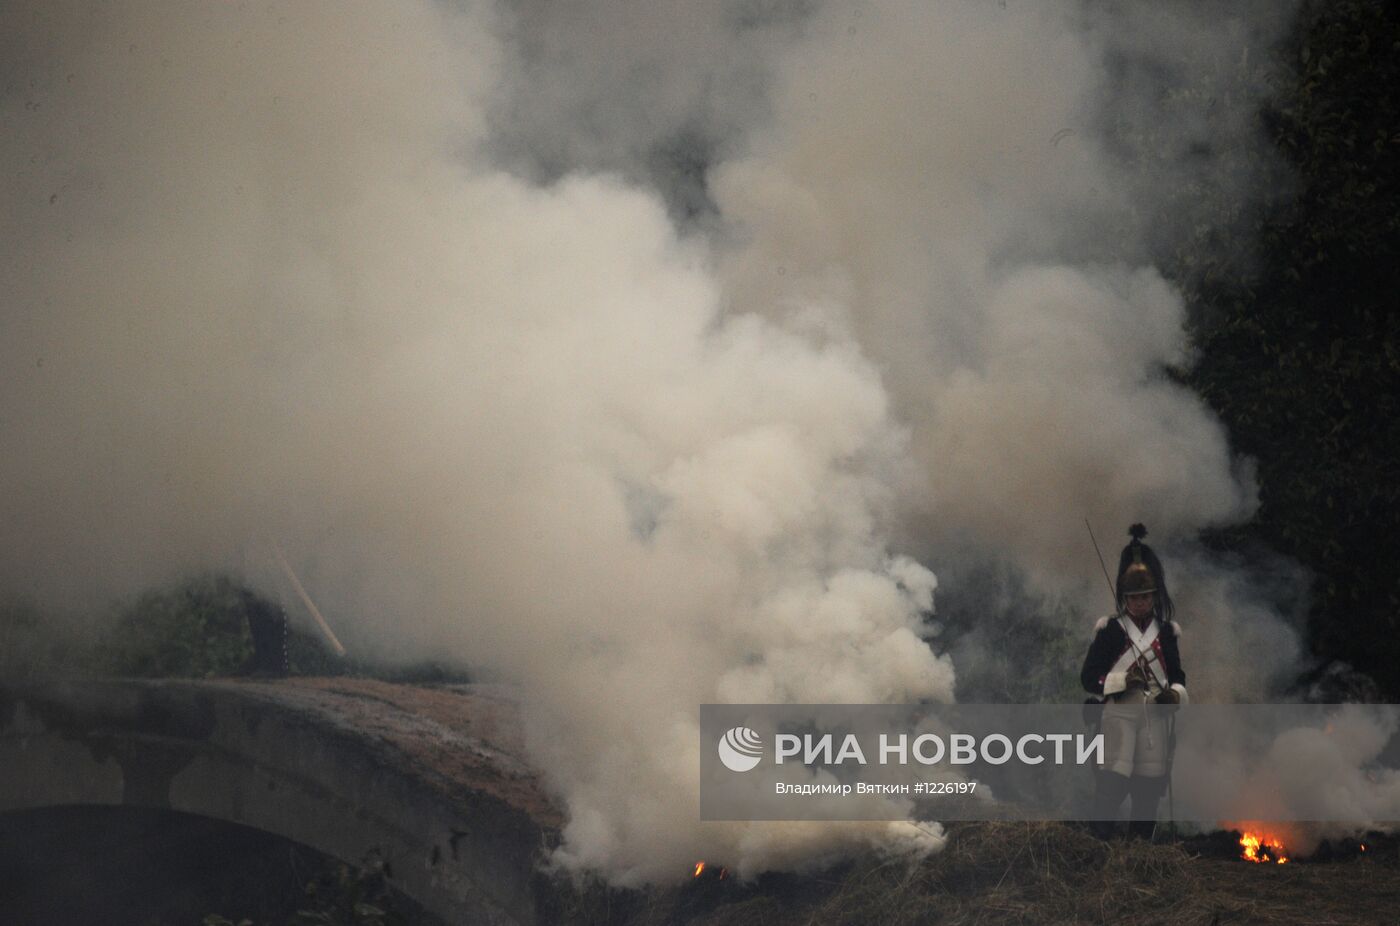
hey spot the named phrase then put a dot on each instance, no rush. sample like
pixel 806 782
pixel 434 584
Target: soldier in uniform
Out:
pixel 1133 662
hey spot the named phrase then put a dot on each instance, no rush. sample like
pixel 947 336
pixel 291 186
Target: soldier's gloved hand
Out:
pixel 1169 696
pixel 1135 678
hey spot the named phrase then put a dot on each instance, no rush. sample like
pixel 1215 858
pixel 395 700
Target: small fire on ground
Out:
pixel 701 868
pixel 1262 848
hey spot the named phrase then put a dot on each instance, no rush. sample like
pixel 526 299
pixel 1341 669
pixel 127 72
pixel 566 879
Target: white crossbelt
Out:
pixel 1140 643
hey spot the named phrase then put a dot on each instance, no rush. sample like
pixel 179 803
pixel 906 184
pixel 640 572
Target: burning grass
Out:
pixel 1262 848
pixel 1026 873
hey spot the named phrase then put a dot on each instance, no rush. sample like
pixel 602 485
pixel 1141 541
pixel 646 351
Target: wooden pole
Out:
pixel 306 600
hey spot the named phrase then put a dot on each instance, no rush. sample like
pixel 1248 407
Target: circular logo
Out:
pixel 740 749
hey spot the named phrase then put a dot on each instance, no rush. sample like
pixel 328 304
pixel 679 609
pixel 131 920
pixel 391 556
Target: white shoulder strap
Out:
pixel 1140 645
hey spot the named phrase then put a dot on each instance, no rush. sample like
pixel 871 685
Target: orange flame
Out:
pixel 699 868
pixel 1262 848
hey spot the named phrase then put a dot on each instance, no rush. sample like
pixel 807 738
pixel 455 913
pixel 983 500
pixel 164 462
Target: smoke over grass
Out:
pixel 401 287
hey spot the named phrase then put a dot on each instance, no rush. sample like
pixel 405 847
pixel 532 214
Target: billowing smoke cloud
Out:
pixel 938 182
pixel 397 286
pixel 1330 779
pixel 943 215
pixel 261 285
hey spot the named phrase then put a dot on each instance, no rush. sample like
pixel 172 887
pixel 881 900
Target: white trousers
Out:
pixel 1134 740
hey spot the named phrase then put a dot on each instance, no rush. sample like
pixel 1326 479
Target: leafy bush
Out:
pixel 195 629
pixel 1302 359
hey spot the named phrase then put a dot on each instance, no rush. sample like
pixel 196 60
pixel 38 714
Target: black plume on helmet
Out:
pixel 1138 554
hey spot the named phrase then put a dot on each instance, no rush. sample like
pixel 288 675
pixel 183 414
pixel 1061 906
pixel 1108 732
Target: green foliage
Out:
pixel 1302 359
pixel 1291 292
pixel 195 629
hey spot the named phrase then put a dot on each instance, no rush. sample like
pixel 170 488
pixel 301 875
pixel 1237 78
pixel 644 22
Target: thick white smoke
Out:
pixel 940 162
pixel 1335 773
pixel 260 284
pixel 289 271
pixel 938 180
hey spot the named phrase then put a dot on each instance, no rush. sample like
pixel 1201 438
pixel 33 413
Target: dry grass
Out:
pixel 1032 873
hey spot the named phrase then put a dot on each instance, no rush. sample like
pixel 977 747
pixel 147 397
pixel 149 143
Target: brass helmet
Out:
pixel 1140 572
pixel 1136 575
pixel 1137 580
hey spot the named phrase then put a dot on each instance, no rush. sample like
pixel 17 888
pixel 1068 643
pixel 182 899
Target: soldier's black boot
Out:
pixel 1146 795
pixel 1104 829
pixel 1109 790
pixel 1142 829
